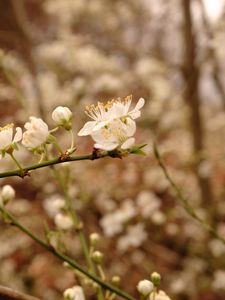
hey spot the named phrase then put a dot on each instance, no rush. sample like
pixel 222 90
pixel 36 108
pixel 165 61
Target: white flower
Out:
pixel 74 293
pixel 53 205
pixel 161 295
pixel 115 109
pixel 115 134
pixel 99 114
pixel 7 194
pixel 36 133
pixel 112 223
pixel 62 116
pixel 6 138
pixel 63 221
pixel 219 279
pixel 120 108
pixel 145 287
pixel 135 236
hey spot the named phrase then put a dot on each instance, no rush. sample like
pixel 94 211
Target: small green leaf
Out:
pixel 137 149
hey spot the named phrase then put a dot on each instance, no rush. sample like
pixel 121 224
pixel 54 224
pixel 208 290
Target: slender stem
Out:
pixel 77 222
pixel 72 139
pixel 16 161
pixel 63 257
pixel 183 200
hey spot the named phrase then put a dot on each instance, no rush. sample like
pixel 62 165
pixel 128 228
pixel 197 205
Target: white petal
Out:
pixel 128 143
pixel 130 127
pixel 140 104
pixel 135 113
pixel 99 125
pixel 107 147
pixel 6 137
pixel 87 129
pixel 18 135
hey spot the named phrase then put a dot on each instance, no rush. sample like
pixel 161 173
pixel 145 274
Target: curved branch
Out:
pixel 184 201
pixel 11 220
pixel 10 294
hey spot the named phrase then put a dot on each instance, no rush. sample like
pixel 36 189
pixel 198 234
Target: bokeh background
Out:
pixel 76 52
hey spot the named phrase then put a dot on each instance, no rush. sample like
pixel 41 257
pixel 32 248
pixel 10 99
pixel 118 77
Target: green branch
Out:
pixel 10 219
pixel 96 154
pixel 183 200
pixel 25 170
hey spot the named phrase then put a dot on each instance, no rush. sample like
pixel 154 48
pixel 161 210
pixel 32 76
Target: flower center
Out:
pixel 7 127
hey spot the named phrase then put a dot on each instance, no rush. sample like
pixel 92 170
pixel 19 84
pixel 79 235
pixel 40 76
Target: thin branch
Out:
pixel 9 294
pixel 212 55
pixel 25 171
pixel 183 200
pixel 191 76
pixel 63 257
pixel 97 153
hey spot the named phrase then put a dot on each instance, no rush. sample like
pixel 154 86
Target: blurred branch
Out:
pixel 32 37
pixel 9 294
pixel 12 221
pixel 191 76
pixel 183 200
pixel 212 55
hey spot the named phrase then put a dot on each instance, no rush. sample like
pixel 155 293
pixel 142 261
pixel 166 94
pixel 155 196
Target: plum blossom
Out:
pixel 62 115
pixel 115 134
pixel 145 287
pixel 6 194
pixel 63 221
pixel 160 295
pixel 6 138
pixel 36 133
pixel 74 293
pixel 115 109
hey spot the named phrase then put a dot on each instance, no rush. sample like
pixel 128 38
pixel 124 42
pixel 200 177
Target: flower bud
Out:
pixel 116 280
pixel 97 257
pixel 62 116
pixel 94 239
pixel 145 287
pixel 74 293
pixel 63 221
pixel 7 194
pixel 156 278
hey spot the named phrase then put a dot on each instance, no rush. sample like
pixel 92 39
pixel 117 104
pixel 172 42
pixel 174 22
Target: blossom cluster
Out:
pixel 113 126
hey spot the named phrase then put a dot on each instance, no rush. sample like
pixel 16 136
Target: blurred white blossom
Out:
pixel 74 293
pixel 6 138
pixel 36 133
pixel 63 221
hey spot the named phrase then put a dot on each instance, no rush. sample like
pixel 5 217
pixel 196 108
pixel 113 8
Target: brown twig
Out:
pixel 192 97
pixel 10 294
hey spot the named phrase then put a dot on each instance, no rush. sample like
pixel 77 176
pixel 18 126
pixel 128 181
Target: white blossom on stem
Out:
pixel 7 140
pixel 160 295
pixel 7 194
pixel 62 116
pixel 145 287
pixel 36 133
pixel 115 134
pixel 115 109
pixel 74 293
